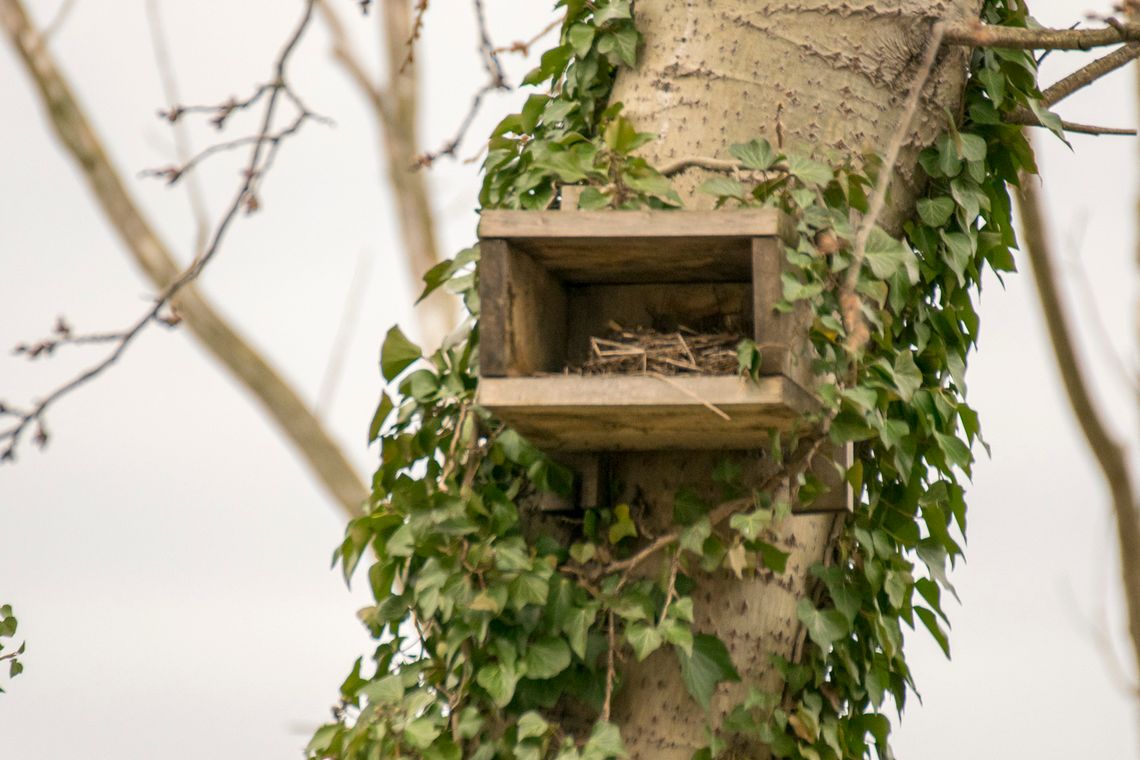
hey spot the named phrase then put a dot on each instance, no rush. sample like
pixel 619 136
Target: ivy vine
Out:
pixel 481 629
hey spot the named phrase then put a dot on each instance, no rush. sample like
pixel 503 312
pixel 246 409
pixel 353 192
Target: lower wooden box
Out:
pixel 644 412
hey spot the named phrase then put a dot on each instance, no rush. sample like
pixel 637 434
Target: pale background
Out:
pixel 168 555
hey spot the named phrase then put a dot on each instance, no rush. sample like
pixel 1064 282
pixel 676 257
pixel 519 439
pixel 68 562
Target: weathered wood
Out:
pixel 782 336
pixel 639 246
pixel 523 319
pixel 642 413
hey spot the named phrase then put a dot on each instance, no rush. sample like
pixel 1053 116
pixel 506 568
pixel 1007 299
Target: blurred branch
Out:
pixel 1110 455
pixel 155 259
pixel 395 106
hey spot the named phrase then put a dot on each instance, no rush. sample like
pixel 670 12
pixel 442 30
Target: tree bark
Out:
pixel 827 77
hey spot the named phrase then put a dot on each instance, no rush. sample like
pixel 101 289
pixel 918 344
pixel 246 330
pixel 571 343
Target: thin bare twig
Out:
pixel 1110 455
pixel 183 149
pixel 153 256
pixel 611 669
pixel 849 301
pixel 496 80
pixel 522 47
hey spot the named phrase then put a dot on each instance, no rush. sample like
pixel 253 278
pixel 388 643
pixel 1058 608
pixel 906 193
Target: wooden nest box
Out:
pixel 552 282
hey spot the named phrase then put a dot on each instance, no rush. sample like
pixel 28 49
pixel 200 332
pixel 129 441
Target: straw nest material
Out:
pixel 641 349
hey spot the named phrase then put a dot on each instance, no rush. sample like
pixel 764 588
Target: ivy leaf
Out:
pixel 623 526
pixel 547 658
pixel 615 10
pixel 645 639
pixel 809 171
pixel 724 187
pixel 886 256
pixel 621 41
pixel 532 726
pixel 688 506
pixel 935 212
pixel 971 147
pixel 581 37
pixel 708 665
pixel 397 354
pixel 957 453
pixel 907 376
pixel 604 743
pixel 499 681
pixel 749 524
pixel 1048 119
pixel 421 732
pixel 552 63
pixel 774 559
pixel 825 627
pixel 931 623
pixel 959 251
pixel 383 409
pixel 755 154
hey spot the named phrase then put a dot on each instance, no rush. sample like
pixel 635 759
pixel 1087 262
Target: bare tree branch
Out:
pixel 1109 453
pixel 395 106
pixel 977 34
pixel 1029 119
pixel 154 258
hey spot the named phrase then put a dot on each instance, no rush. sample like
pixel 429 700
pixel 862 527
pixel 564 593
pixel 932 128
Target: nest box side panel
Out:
pixel 523 314
pixel 782 337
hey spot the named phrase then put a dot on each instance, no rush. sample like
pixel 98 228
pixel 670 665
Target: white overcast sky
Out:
pixel 168 555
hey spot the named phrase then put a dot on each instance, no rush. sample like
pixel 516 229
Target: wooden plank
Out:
pixel 523 322
pixel 645 224
pixel 782 336
pixel 639 246
pixel 643 413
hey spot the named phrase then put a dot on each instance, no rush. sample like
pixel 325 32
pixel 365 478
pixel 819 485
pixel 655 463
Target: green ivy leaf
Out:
pixel 532 726
pixel 499 681
pixel 756 155
pixel 935 212
pixel 886 256
pixel 614 10
pixel 724 187
pixel 644 639
pixel 397 354
pixel 825 627
pixel 383 409
pixel 547 658
pixel 604 743
pixel 623 43
pixel 809 171
pixel 708 665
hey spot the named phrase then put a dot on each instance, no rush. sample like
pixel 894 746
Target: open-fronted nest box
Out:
pixel 556 285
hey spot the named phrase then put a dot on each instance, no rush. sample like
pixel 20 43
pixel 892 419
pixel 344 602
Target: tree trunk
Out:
pixel 827 77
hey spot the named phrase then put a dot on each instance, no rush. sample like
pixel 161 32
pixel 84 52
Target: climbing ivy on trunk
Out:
pixel 493 642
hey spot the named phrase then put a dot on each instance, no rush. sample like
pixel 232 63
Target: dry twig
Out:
pixel 177 289
pixel 849 301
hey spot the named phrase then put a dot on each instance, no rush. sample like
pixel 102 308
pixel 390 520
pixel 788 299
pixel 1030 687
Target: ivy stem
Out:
pixel 857 333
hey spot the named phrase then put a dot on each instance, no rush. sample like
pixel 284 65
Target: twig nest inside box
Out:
pixel 552 283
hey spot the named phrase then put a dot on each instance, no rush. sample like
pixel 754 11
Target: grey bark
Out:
pixel 829 77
